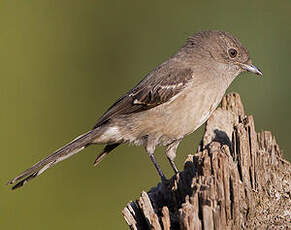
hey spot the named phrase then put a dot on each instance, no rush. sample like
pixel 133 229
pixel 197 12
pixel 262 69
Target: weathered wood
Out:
pixel 238 179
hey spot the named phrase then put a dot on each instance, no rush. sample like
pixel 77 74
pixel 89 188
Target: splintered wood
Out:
pixel 238 179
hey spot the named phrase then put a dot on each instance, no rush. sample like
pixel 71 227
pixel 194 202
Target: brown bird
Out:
pixel 170 102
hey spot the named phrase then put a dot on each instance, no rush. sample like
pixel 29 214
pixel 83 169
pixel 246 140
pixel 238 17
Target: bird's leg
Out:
pixel 172 162
pixel 171 153
pixel 150 150
pixel 157 166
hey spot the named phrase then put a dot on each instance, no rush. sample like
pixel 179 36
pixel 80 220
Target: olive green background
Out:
pixel 62 63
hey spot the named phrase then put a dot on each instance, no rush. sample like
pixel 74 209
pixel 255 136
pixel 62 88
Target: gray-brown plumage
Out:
pixel 172 101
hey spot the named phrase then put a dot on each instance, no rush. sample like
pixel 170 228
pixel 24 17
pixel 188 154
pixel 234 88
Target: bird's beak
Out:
pixel 251 68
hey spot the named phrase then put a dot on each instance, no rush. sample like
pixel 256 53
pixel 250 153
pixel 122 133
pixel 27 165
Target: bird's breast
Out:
pixel 176 118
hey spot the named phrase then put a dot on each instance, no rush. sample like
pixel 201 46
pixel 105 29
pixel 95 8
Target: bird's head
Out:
pixel 223 48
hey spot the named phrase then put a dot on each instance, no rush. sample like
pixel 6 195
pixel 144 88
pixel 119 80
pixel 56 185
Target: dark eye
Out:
pixel 232 53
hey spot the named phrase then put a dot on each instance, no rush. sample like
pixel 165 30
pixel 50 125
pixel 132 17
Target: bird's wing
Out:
pixel 155 89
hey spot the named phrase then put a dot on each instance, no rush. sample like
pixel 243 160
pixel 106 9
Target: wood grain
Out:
pixel 238 179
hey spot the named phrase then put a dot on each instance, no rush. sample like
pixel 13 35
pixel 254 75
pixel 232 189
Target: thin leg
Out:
pixel 150 149
pixel 171 154
pixel 173 165
pixel 162 175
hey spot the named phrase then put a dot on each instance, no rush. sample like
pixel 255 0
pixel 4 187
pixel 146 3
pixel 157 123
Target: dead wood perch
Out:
pixel 238 179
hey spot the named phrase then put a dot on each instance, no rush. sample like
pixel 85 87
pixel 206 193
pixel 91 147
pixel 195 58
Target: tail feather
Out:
pixel 24 181
pixel 61 154
pixel 107 149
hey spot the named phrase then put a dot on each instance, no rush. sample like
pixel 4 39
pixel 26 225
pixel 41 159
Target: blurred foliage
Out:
pixel 62 63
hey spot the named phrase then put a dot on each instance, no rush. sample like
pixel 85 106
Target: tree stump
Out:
pixel 238 179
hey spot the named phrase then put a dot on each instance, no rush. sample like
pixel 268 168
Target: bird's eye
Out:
pixel 232 53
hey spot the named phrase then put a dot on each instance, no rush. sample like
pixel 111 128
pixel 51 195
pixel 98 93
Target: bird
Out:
pixel 170 102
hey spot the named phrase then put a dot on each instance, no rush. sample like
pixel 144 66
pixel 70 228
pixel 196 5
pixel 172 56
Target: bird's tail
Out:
pixel 61 154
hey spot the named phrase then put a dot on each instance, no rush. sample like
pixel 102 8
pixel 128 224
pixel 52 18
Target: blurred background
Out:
pixel 63 63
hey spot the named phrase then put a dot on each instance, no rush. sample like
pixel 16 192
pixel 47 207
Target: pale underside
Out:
pixel 165 123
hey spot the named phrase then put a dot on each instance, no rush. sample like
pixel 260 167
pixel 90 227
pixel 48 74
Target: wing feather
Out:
pixel 155 89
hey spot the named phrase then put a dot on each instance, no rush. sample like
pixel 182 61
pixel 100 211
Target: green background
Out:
pixel 62 63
